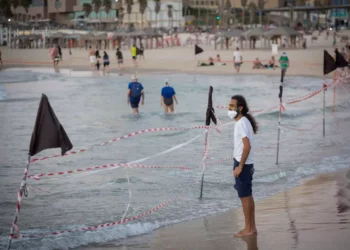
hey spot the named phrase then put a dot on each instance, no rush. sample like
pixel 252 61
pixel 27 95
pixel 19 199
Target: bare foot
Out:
pixel 243 233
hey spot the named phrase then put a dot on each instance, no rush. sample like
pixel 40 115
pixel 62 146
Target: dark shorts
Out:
pixel 134 103
pixel 168 101
pixel 238 64
pixel 120 61
pixel 134 57
pixel 105 64
pixel 243 183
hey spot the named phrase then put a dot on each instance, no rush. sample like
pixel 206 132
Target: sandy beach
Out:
pixel 181 59
pixel 314 215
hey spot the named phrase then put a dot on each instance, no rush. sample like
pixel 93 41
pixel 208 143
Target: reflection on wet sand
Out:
pixel 315 215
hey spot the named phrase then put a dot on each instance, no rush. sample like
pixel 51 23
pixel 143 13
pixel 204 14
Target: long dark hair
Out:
pixel 241 102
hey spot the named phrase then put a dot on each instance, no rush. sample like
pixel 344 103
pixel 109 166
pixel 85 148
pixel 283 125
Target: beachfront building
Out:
pixel 170 15
pixel 59 10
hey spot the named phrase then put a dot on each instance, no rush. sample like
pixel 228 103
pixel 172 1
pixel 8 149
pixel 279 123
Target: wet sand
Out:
pixel 315 215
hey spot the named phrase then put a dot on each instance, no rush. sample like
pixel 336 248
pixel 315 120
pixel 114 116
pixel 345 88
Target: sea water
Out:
pixel 94 110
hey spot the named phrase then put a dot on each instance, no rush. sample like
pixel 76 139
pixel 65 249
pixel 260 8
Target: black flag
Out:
pixel 340 61
pixel 328 63
pixel 48 131
pixel 197 50
pixel 210 109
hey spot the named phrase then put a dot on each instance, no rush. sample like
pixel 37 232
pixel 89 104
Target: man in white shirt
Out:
pixel 243 154
pixel 237 59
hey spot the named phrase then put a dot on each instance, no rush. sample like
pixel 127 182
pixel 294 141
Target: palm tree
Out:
pixel 97 6
pixel 107 4
pixel 15 4
pixel 26 4
pixel 252 10
pixel 170 15
pixel 261 6
pixel 143 6
pixel 228 8
pixel 87 8
pixel 129 4
pixel 244 5
pixel 157 10
pixel 121 15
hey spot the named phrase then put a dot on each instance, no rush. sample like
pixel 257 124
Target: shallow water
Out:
pixel 94 110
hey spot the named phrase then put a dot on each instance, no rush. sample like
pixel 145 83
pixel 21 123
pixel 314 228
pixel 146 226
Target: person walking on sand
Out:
pixel 105 63
pixel 284 62
pixel 243 165
pixel 92 58
pixel 119 55
pixel 135 95
pixel 54 57
pixel 167 97
pixel 237 59
pixel 141 52
pixel 134 54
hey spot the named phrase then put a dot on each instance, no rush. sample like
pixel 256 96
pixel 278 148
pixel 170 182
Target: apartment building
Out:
pixel 58 10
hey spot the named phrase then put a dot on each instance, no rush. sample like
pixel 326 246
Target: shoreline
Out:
pixel 308 216
pixel 141 71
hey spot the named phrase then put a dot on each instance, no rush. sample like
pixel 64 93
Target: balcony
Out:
pixel 117 5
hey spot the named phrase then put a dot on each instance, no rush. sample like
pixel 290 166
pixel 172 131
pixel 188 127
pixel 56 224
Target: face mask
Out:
pixel 232 113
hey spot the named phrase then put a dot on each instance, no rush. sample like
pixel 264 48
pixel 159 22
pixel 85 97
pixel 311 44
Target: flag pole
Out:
pixel 195 68
pixel 205 148
pixel 279 116
pixel 324 107
pixel 19 198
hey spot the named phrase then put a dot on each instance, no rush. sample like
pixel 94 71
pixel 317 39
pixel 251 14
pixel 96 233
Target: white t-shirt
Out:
pixel 237 56
pixel 242 129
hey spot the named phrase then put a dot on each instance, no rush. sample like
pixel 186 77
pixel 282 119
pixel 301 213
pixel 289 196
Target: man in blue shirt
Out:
pixel 167 98
pixel 135 94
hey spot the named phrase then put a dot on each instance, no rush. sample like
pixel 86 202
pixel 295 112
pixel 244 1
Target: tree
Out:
pixel 15 4
pixel 5 8
pixel 26 4
pixel 170 15
pixel 121 15
pixel 87 9
pixel 244 5
pixel 157 10
pixel 143 6
pixel 97 6
pixel 129 4
pixel 107 4
pixel 261 6
pixel 252 10
pixel 228 8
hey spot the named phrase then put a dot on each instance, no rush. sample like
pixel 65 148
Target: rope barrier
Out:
pixel 96 227
pixel 112 165
pixel 120 138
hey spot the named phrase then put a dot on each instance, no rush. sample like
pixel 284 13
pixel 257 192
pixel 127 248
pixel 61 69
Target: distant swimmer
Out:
pixel 105 63
pixel 92 58
pixel 167 98
pixel 135 95
pixel 134 54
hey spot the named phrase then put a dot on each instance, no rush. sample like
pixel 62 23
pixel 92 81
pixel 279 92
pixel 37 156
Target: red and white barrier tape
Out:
pixel 121 138
pixel 292 101
pixel 112 165
pixel 110 224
